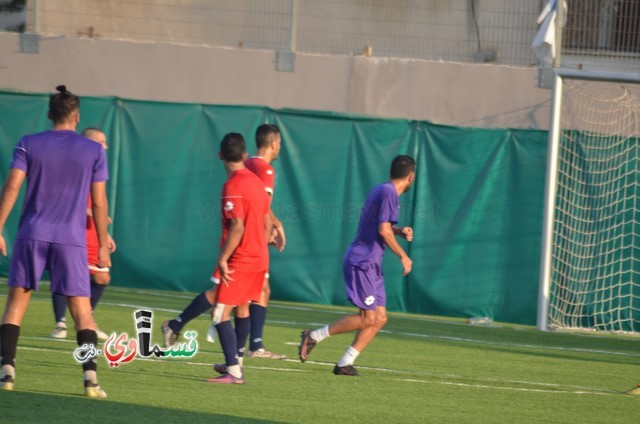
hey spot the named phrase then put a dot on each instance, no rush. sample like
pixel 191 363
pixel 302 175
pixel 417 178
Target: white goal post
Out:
pixel 590 256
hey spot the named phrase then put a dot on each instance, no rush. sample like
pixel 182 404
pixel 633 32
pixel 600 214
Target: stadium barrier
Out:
pixel 476 206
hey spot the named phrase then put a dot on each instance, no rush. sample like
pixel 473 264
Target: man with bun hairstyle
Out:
pixel 62 169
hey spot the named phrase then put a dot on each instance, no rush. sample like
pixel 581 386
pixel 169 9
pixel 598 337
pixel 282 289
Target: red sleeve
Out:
pixel 232 202
pixel 268 177
pixel 267 204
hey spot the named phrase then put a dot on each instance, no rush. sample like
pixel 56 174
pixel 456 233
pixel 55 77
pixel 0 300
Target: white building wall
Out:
pixel 447 93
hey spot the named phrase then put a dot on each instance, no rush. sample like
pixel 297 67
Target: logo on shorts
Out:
pixel 369 300
pixel 269 171
pixel 228 206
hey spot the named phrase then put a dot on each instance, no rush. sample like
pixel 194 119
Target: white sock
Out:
pixel 235 371
pixel 320 334
pixel 91 376
pixel 349 357
pixel 8 370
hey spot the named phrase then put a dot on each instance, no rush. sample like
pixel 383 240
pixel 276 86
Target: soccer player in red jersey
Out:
pixel 243 261
pixel 244 257
pixel 268 143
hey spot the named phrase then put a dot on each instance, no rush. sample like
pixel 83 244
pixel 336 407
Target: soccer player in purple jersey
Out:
pixel 62 169
pixel 362 267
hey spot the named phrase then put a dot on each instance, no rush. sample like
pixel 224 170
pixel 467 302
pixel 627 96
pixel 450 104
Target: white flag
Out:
pixel 544 44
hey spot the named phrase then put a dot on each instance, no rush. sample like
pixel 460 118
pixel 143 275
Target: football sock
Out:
pixel 96 293
pixel 9 343
pixel 349 357
pixel 320 334
pixel 90 376
pixel 197 306
pixel 59 306
pixel 228 342
pixel 242 333
pixel 89 337
pixel 235 371
pixel 258 316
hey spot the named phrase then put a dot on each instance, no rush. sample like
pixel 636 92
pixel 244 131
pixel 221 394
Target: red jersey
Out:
pixel 244 197
pixel 264 171
pixel 92 232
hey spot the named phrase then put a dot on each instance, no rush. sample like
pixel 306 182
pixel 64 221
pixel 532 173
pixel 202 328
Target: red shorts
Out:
pixel 245 287
pixel 93 257
pixel 92 245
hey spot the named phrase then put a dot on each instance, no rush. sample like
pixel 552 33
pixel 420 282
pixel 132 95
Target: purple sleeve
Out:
pixel 100 168
pixel 20 157
pixel 388 208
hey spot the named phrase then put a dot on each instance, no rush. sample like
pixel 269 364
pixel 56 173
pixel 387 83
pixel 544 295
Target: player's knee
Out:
pixel 102 278
pixel 368 320
pixel 381 321
pixel 211 294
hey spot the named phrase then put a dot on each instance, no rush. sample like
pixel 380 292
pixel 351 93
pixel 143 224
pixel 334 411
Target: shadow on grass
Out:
pixel 33 407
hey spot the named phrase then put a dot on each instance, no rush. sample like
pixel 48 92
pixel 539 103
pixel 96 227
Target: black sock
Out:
pixel 243 326
pixel 91 338
pixel 258 315
pixel 197 306
pixel 59 306
pixel 96 293
pixel 9 334
pixel 228 342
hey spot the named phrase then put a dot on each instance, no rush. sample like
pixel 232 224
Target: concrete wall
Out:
pixel 447 93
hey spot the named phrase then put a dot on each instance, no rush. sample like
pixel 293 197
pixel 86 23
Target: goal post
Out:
pixel 590 255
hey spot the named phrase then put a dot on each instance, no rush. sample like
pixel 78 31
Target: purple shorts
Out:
pixel 67 267
pixel 365 284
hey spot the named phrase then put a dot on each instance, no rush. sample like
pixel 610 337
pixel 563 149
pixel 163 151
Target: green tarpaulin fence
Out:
pixel 476 206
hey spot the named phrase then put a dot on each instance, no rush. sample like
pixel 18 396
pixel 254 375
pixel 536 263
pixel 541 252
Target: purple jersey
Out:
pixel 381 206
pixel 60 167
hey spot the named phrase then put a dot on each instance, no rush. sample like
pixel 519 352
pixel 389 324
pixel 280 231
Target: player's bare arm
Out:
pixel 110 242
pixel 100 211
pixel 10 193
pixel 404 232
pixel 389 237
pixel 268 227
pixel 277 236
pixel 234 237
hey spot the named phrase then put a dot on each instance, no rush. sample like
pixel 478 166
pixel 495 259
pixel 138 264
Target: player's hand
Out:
pixel 3 246
pixel 406 233
pixel 279 239
pixel 104 261
pixel 225 272
pixel 407 263
pixel 111 244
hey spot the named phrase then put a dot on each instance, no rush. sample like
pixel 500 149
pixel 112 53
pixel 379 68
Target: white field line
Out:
pixel 580 391
pixel 462 377
pixel 512 389
pixel 419 335
pixel 328 364
pixel 164 361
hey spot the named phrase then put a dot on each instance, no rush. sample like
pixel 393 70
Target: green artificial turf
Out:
pixel 418 370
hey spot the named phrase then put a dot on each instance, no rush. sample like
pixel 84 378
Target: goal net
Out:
pixel 590 272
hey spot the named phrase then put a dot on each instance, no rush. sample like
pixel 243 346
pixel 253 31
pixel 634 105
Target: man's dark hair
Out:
pixel 233 147
pixel 402 166
pixel 62 104
pixel 264 135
